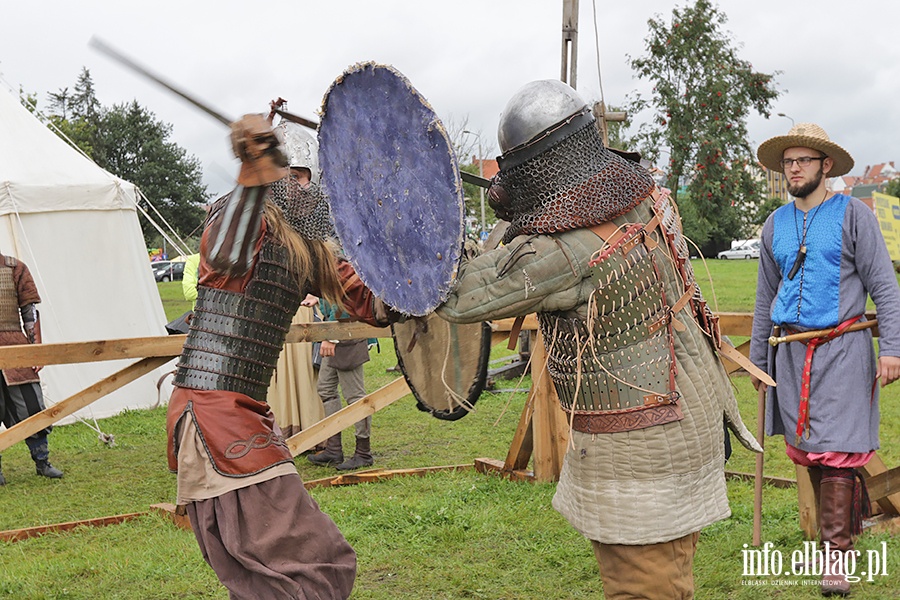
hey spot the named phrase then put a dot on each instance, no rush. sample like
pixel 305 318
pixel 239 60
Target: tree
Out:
pixel 128 141
pixel 59 102
pixel 702 95
pixel 134 145
pixel 892 187
pixel 76 115
pixel 84 101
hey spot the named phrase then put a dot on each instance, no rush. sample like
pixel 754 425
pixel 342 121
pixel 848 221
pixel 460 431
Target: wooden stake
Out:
pixel 49 416
pixel 550 428
pixel 758 480
pixel 347 416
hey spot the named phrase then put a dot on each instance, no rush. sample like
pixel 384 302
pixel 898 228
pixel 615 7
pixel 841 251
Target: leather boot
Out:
pixel 835 522
pixel 333 454
pixel 45 469
pixel 362 457
pixel 40 454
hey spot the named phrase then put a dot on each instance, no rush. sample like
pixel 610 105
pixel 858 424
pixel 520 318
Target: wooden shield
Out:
pixel 446 367
pixel 393 183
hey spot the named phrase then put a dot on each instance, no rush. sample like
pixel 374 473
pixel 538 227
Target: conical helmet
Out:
pixel 301 147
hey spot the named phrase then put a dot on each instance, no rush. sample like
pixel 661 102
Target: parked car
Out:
pixel 158 265
pixel 168 271
pixel 744 251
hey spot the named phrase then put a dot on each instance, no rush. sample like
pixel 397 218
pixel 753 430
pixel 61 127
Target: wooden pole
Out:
pixel 758 479
pixel 359 410
pixel 27 355
pixel 549 425
pixel 49 416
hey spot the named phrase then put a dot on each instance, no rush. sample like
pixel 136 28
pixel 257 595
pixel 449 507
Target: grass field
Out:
pixel 444 536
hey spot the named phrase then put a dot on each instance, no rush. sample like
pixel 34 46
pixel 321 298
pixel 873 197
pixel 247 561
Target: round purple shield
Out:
pixel 394 187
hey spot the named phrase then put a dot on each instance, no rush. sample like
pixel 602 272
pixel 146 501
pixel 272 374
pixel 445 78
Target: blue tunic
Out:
pixel 846 262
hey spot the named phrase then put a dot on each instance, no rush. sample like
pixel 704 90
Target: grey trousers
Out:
pixel 353 387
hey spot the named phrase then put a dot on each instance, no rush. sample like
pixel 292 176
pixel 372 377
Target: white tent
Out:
pixel 76 227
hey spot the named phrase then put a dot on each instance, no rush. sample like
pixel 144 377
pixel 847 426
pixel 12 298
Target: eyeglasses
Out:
pixel 803 161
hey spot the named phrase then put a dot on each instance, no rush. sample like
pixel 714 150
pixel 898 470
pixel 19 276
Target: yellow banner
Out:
pixel 887 209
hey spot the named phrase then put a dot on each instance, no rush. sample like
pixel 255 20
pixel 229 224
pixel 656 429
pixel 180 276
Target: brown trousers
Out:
pixel 652 572
pixel 270 541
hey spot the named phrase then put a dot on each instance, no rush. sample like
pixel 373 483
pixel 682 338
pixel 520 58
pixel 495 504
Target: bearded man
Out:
pixel 821 256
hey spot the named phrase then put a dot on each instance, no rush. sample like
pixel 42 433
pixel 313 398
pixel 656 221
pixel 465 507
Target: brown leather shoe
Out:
pixel 332 455
pixel 362 457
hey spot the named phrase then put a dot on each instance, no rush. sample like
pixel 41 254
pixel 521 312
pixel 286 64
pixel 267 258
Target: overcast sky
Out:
pixel 840 61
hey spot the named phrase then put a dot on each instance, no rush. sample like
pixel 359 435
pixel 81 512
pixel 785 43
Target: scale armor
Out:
pixel 9 304
pixel 235 338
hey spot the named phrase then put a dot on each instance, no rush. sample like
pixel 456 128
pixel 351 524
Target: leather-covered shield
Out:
pixel 446 367
pixel 393 182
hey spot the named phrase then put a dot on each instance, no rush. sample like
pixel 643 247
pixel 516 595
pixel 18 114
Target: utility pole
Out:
pixel 570 64
pixel 569 43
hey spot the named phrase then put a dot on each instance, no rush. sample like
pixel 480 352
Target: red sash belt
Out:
pixel 811 345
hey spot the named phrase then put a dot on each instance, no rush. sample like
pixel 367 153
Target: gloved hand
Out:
pixel 258 147
pixel 385 315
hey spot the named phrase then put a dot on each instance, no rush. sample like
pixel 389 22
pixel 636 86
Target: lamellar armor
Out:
pixel 235 338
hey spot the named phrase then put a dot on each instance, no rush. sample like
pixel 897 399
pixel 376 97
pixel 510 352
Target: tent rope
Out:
pixel 106 438
pixel 52 126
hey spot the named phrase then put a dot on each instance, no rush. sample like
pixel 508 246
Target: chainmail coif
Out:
pixel 575 183
pixel 305 208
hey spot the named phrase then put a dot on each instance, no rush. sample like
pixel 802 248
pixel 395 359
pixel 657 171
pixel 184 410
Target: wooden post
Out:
pixel 347 416
pixel 49 416
pixel 569 62
pixel 758 479
pixel 549 422
pixel 806 502
pixel 890 503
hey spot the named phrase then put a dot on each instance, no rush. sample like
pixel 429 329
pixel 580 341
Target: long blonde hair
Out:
pixel 312 261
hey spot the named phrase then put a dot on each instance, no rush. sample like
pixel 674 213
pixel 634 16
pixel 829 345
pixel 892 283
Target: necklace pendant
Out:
pixel 798 262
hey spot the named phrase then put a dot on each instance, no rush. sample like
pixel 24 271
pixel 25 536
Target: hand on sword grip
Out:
pixel 258 147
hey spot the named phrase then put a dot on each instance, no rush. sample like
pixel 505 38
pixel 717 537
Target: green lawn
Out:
pixel 446 535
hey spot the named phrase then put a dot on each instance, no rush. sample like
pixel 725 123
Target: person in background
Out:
pixel 20 389
pixel 343 366
pixel 821 257
pixel 189 282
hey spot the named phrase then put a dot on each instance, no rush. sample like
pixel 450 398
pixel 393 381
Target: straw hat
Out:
pixel 804 135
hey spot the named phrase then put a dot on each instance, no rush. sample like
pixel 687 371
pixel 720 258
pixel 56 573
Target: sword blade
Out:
pixel 475 179
pixel 106 49
pixel 296 119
